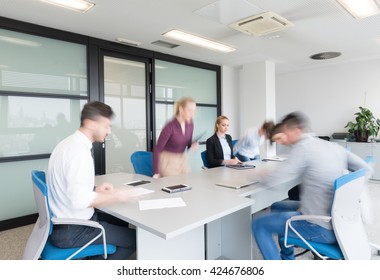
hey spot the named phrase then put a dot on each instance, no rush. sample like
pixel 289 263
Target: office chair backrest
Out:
pixel 352 240
pixel 43 227
pixel 346 216
pixel 234 142
pixel 39 245
pixel 204 159
pixel 41 194
pixel 142 162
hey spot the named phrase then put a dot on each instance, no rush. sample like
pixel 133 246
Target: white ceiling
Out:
pixel 319 26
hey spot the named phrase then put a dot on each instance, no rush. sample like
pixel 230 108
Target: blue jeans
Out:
pixel 263 227
pixel 244 158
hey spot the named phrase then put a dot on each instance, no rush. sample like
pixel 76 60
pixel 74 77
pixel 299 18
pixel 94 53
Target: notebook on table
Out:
pixel 237 183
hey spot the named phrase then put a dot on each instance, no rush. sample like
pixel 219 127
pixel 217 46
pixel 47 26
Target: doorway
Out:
pixel 126 89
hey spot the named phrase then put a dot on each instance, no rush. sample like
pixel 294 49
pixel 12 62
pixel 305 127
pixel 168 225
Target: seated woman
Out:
pixel 248 147
pixel 219 146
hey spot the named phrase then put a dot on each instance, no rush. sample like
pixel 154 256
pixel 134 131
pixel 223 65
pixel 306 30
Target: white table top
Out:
pixel 206 202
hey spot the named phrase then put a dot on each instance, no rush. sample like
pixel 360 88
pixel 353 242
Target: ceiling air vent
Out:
pixel 261 24
pixel 164 44
pixel 325 55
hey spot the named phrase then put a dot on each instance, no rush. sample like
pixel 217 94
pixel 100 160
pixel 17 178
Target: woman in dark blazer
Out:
pixel 219 146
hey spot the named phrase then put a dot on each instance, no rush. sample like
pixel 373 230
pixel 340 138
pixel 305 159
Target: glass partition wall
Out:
pixel 43 86
pixel 46 77
pixel 173 81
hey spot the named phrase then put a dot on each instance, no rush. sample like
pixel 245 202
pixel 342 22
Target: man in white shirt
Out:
pixel 72 190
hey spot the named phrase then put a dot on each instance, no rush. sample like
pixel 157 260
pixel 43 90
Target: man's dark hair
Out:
pixel 278 128
pixel 94 109
pixel 296 120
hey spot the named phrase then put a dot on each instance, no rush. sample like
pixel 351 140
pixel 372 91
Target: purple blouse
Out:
pixel 172 140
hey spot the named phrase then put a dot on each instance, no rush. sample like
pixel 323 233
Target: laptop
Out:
pixel 237 183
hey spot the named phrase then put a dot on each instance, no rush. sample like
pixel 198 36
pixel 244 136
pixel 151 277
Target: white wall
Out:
pixel 235 106
pixel 330 96
pixel 230 99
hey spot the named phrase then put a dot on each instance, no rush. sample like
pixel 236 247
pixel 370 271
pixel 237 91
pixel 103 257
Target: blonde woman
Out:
pixel 169 157
pixel 219 146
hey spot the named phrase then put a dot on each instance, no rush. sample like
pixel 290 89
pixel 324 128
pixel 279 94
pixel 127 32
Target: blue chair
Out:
pixel 204 160
pixel 39 246
pixel 142 162
pixel 352 241
pixel 370 160
pixel 234 142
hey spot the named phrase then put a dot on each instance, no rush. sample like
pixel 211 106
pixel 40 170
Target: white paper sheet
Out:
pixel 275 158
pixel 161 203
pixel 137 191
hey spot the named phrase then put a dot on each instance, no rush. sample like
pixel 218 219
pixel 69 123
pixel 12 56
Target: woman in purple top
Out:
pixel 168 154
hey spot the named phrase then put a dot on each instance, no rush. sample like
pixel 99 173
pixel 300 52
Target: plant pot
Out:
pixel 361 136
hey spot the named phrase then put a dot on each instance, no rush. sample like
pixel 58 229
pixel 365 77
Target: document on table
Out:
pixel 161 203
pixel 137 191
pixel 275 158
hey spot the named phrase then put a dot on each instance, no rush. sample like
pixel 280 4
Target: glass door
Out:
pixel 125 90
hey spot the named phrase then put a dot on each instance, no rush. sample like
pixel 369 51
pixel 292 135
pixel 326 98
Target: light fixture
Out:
pixel 361 8
pixel 76 5
pixel 199 41
pixel 128 42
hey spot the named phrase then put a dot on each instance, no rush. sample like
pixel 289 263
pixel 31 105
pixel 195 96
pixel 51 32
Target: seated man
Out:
pixel 70 179
pixel 316 163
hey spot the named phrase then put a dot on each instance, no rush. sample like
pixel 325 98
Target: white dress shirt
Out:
pixel 71 178
pixel 226 147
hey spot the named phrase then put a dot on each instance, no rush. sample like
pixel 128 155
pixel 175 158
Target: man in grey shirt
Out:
pixel 315 163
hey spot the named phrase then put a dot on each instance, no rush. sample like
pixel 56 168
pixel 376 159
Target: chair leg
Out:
pixel 316 257
pixel 302 253
pixel 376 247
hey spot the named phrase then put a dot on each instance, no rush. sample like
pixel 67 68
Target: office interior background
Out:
pixel 53 60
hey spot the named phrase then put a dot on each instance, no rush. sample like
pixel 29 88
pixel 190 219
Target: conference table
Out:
pixel 215 222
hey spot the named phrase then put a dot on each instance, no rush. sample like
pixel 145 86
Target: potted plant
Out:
pixel 365 125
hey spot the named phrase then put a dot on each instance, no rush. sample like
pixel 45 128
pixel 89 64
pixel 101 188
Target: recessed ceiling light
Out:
pixel 128 42
pixel 198 41
pixel 361 8
pixel 76 5
pixel 325 55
